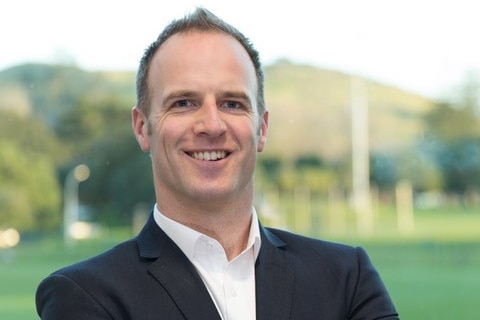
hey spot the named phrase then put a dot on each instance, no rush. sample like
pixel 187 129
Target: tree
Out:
pixel 452 139
pixel 98 132
pixel 29 190
pixel 383 170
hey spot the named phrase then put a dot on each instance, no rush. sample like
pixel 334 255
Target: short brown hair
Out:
pixel 203 20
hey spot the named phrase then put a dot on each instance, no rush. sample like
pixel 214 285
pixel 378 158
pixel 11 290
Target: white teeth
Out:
pixel 209 155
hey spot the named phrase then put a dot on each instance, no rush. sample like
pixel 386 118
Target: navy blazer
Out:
pixel 149 277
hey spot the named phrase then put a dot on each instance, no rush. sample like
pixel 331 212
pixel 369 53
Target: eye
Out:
pixel 233 105
pixel 183 104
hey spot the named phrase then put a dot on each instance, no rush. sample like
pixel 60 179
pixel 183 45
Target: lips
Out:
pixel 209 155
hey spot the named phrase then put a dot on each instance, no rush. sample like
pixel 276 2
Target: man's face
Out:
pixel 204 125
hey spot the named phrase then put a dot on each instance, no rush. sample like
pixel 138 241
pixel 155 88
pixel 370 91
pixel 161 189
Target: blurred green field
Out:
pixel 430 276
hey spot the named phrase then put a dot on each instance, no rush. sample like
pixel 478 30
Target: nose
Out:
pixel 209 120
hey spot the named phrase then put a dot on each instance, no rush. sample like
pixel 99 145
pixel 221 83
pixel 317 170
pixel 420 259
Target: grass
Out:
pixel 432 274
pixel 430 280
pixel 22 269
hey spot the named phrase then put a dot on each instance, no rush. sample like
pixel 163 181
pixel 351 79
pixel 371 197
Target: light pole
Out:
pixel 70 192
pixel 360 157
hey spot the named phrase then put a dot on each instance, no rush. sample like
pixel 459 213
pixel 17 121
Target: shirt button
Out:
pixel 232 291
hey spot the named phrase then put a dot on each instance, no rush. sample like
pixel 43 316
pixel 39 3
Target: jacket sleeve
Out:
pixel 59 297
pixel 370 299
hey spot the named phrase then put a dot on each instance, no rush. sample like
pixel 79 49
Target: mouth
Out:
pixel 209 155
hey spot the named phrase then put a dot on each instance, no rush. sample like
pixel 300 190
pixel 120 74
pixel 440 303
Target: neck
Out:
pixel 232 234
pixel 228 223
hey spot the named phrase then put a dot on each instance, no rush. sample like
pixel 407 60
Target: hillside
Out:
pixel 47 91
pixel 310 112
pixel 309 107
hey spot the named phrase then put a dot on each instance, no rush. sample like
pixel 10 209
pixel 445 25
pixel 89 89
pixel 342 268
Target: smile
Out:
pixel 209 155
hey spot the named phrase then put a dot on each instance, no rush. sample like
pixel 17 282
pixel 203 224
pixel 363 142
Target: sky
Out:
pixel 423 46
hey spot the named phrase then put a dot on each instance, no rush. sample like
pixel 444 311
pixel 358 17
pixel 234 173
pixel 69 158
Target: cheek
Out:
pixel 249 134
pixel 168 132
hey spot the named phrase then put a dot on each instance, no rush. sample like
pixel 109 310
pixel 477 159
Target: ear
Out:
pixel 263 132
pixel 139 123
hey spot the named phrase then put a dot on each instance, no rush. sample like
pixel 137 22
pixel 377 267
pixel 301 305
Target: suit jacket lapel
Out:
pixel 175 273
pixel 274 277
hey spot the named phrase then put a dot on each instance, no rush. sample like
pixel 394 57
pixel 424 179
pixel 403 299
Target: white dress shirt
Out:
pixel 231 284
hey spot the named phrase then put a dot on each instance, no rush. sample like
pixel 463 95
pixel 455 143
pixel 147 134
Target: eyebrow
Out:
pixel 237 95
pixel 186 94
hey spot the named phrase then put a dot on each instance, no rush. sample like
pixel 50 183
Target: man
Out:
pixel 203 254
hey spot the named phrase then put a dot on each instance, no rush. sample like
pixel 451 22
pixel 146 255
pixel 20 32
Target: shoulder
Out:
pixel 317 250
pixel 334 276
pixel 118 265
pixel 298 241
pixel 77 291
pixel 109 262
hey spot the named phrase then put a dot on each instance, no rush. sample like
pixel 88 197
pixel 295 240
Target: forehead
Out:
pixel 203 50
pixel 195 38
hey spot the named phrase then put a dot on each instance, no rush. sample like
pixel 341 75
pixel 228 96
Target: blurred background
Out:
pixel 374 136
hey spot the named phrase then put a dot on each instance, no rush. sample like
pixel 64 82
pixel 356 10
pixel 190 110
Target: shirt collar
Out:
pixel 186 237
